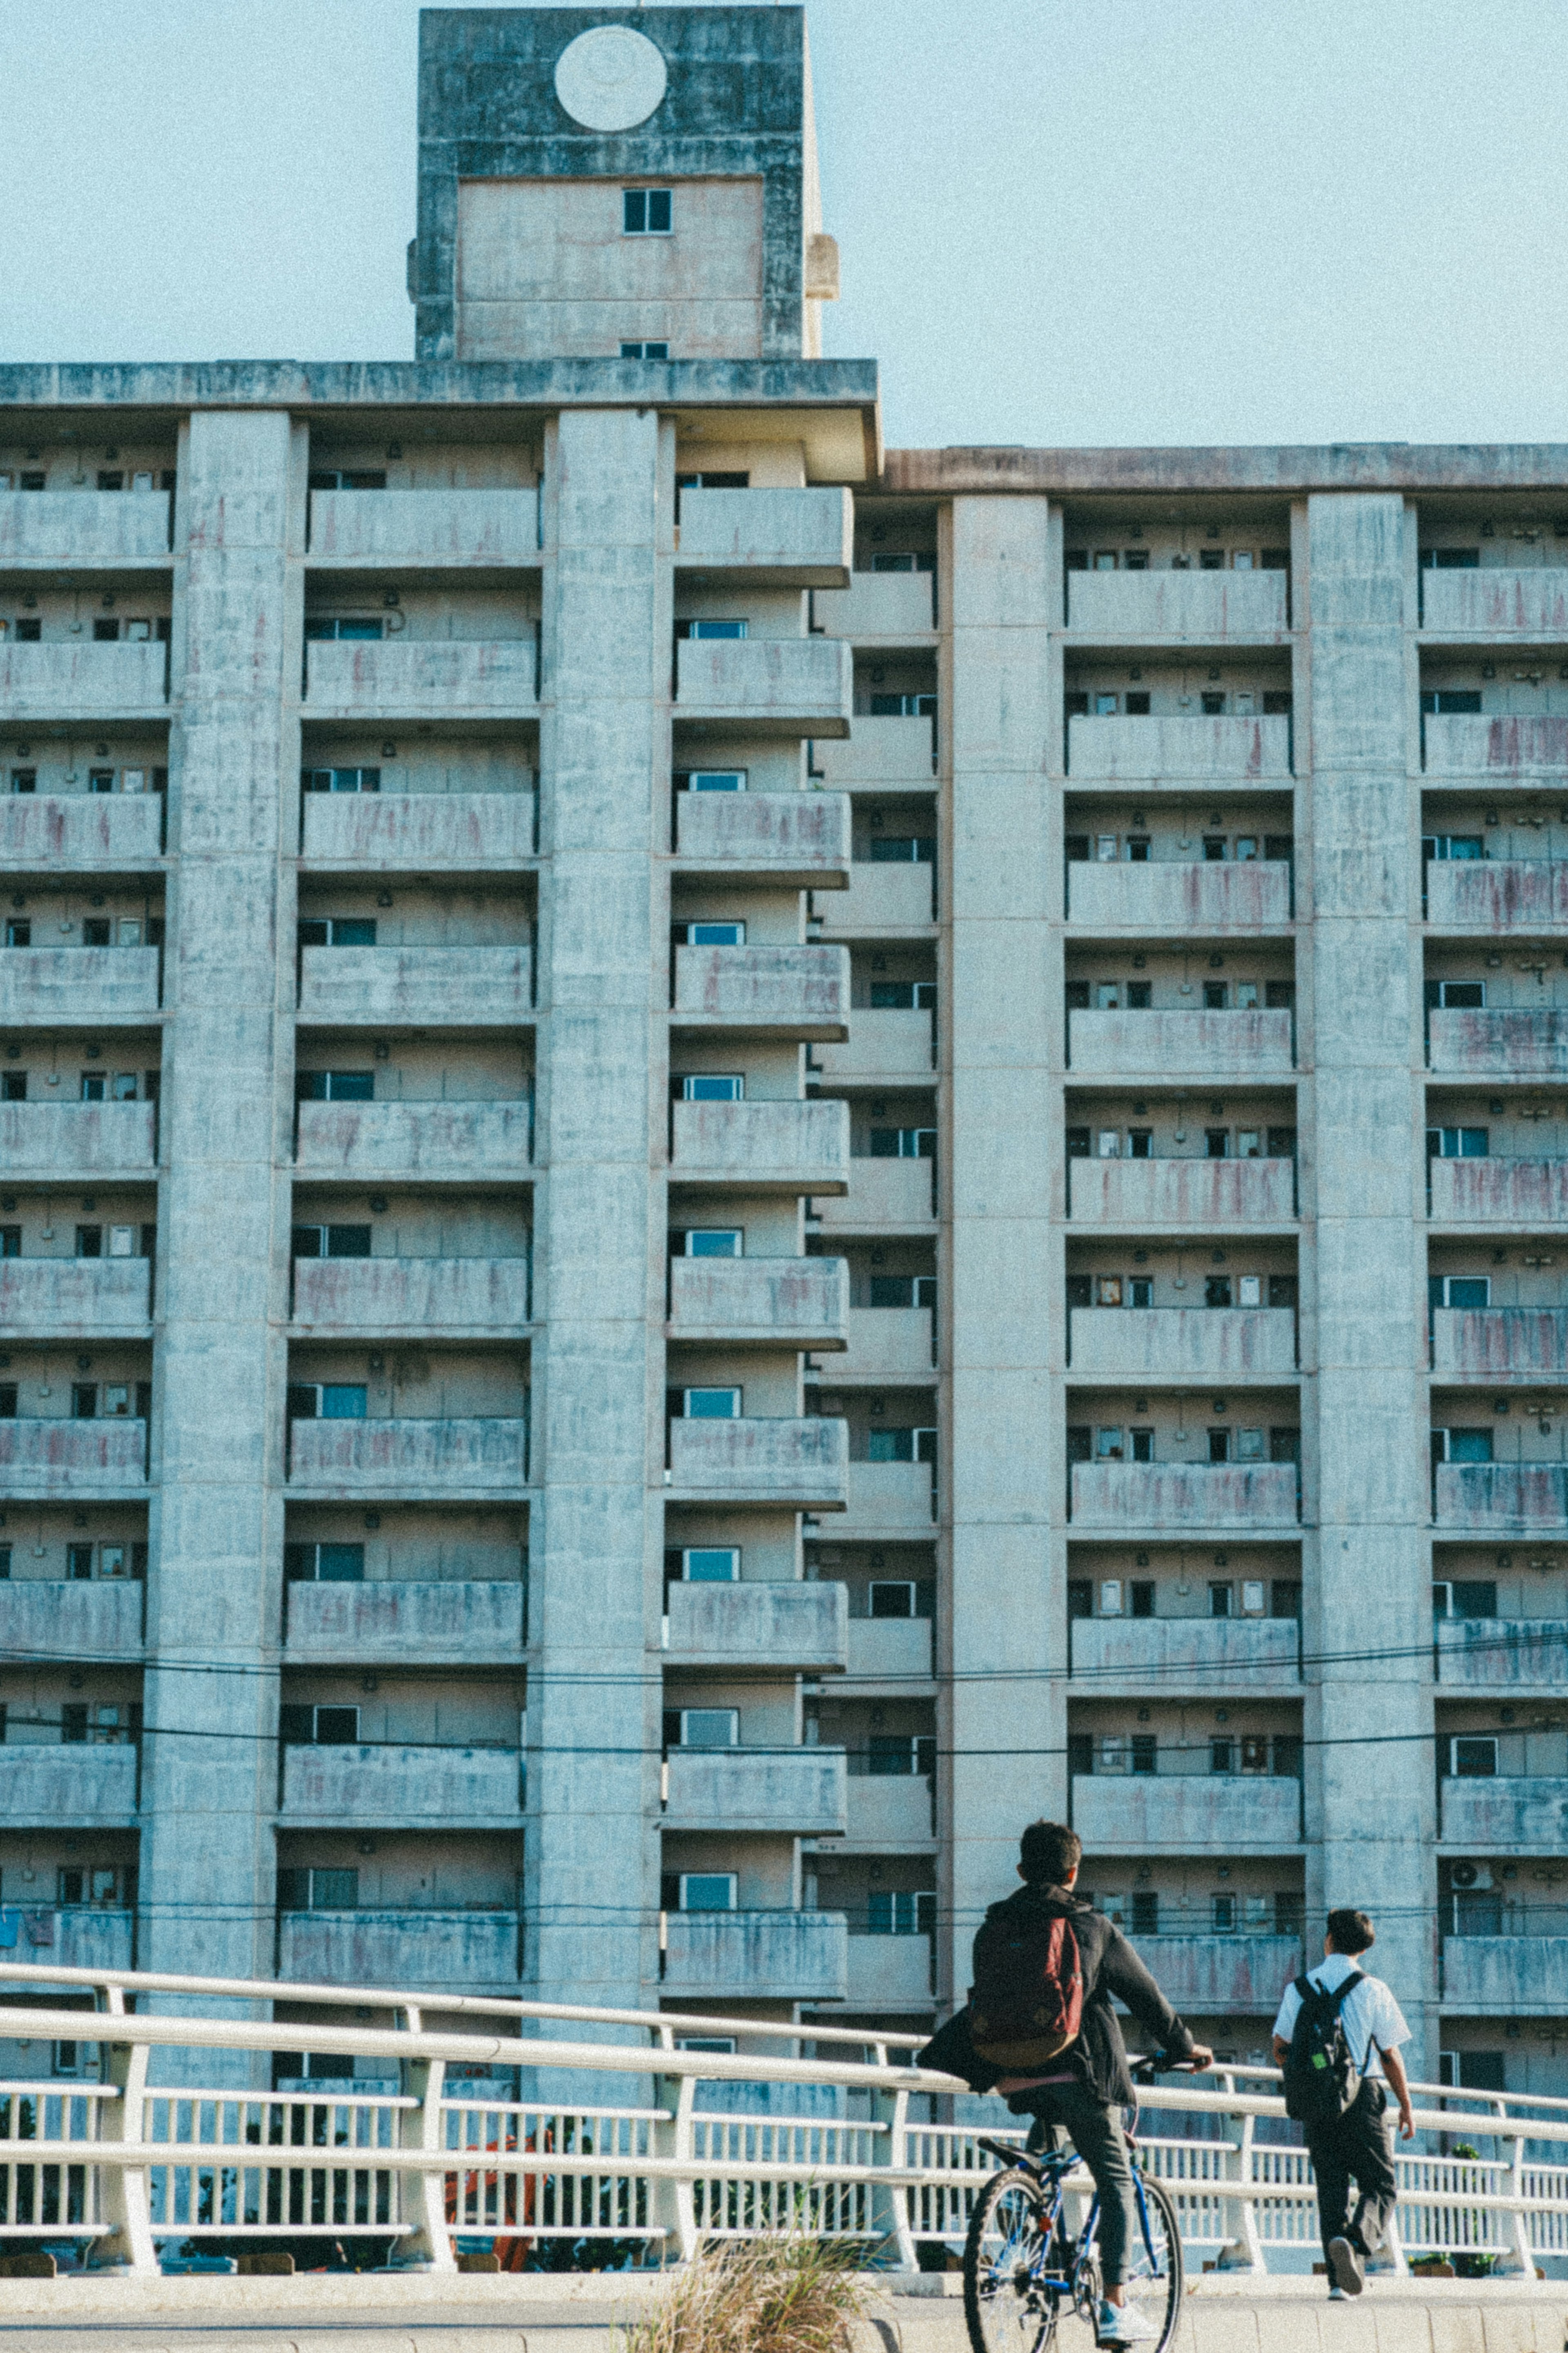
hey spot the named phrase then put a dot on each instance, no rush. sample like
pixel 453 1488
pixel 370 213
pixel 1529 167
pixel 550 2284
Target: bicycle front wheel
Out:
pixel 1008 2308
pixel 1154 2264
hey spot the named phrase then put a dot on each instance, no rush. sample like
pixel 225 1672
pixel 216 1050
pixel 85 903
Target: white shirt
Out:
pixel 1370 2013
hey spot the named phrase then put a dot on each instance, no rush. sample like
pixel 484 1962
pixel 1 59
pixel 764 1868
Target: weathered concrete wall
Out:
pixel 418 1620
pixel 803 1302
pixel 1206 606
pixel 1494 601
pixel 70 527
pixel 804 1626
pixel 88 830
pixel 1187 1812
pixel 1239 1975
pixel 376 830
pixel 1213 1046
pixel 801 1464
pixel 1193 1194
pixel 802 1146
pixel 1501 750
pixel 412 1139
pixel 1502 1498
pixel 1503 1653
pixel 401 1786
pixel 396 1457
pixel 1158 1495
pixel 799 1790
pixel 488 526
pixel 1162 1648
pixel 63 1457
pixel 1506 1816
pixel 476 1951
pixel 1508 1190
pixel 1170 1342
pixel 758 1955
pixel 1192 894
pixel 394 1296
pixel 42 1782
pixel 1497 893
pixel 70 1139
pixel 83 681
pixel 1483 1343
pixel 431 680
pixel 795 831
pixel 802 989
pixel 1506 1977
pixel 94 1618
pixel 808 536
pixel 1229 751
pixel 74 1295
pixel 77 984
pixel 801 686
pixel 493 984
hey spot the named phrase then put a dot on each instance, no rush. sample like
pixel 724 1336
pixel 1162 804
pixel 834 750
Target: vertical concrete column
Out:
pixel 1373 1805
pixel 210 1763
pixel 591 1876
pixel 1003 1628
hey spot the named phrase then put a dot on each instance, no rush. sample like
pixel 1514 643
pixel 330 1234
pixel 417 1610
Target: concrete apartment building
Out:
pixel 729 1158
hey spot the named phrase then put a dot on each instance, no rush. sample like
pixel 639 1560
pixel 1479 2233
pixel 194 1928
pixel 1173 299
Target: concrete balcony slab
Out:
pixel 1501 1498
pixel 887 1344
pixel 795 1302
pixel 1190 1194
pixel 1236 1496
pixel 751 991
pixel 92 830
pixel 451 1141
pixel 1210 1649
pixel 1507 749
pixel 891 1810
pixel 801 1464
pixel 76 1139
pixel 1503 1653
pixel 883 899
pixel 1486 1192
pixel 882 754
pixel 753 1623
pixel 440 1952
pixel 40 530
pixel 83 681
pixel 399 1788
pixel 801 840
pixel 885 1048
pixel 1216 1047
pixel 1493 1344
pixel 766 1148
pixel 757 1956
pixel 410 1297
pixel 1506 1977
pixel 440 678
pixel 418 830
pixel 1497 1045
pixel 1218 751
pixel 767 686
pixel 1195 1813
pixel 46 1784
pixel 74 1298
pixel 408 1459
pixel 890 1973
pixel 773 538
pixel 889 1499
pixel 800 1791
pixel 882 1196
pixel 1505 1815
pixel 1198 608
pixel 1237 1976
pixel 891 1649
pixel 1499 894
pixel 97 1617
pixel 881 608
pixel 1495 601
pixel 449 529
pixel 1179 1343
pixel 478 987
pixel 75 985
pixel 77 1939
pixel 391 1619
pixel 1188 895
pixel 42 1460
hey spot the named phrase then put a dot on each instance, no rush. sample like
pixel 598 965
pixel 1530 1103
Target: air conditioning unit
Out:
pixel 1470 1875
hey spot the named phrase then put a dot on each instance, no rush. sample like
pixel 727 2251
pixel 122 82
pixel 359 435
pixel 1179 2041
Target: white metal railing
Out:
pixel 124 2163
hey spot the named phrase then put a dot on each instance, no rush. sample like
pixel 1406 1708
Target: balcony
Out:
pixel 774 539
pixel 1191 1812
pixel 898 607
pixel 77 985
pixel 749 991
pixel 408 1298
pixel 87 829
pixel 46 1784
pixel 77 1939
pixel 891 1649
pixel 883 1196
pixel 768 1147
pixel 417 1620
pixel 1179 1343
pixel 1190 1194
pixel 1482 1192
pixel 408 1460
pixel 800 1791
pixel 1495 750
pixel 800 1302
pixel 765 686
pixel 1232 1975
pixel 417 830
pixel 757 1956
pixel 887 1047
pixel 1496 601
pixel 889 1973
pixel 1236 1497
pixel 390 1140
pixel 785 1625
pixel 883 898
pixel 70 1618
pixel 84 529
pixel 1219 751
pixel 800 839
pixel 1497 894
pixel 1217 1048
pixel 429 987
pixel 1501 1498
pixel 883 754
pixel 887 1345
pixel 414 528
pixel 83 681
pixel 891 1810
pixel 1128 1649
pixel 1506 1815
pixel 889 1499
pixel 441 1952
pixel 1190 894
pixel 1499 1343
pixel 1503 1653
pixel 1497 1045
pixel 799 1464
pixel 398 1788
pixel 1508 1976
pixel 40 1139
pixel 74 1298
pixel 44 1461
pixel 435 679
pixel 1201 607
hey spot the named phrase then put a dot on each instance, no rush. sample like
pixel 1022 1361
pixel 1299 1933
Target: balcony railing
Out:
pixel 77 1937
pixel 77 1139
pixel 418 829
pixel 76 528
pixel 485 1455
pixel 787 1146
pixel 415 1139
pixel 889 1499
pixel 890 1973
pixel 1189 1193
pixel 887 1046
pixel 87 829
pixel 889 755
pixel 1497 894
pixel 435 679
pixel 799 1464
pixel 1495 601
pixel 757 1956
pixel 401 1786
pixel 891 1810
pixel 1498 1343
pixel 398 1297
pixel 1227 1976
pixel 1495 1045
pixel 1506 1815
pixel 1209 1650
pixel 1219 751
pixel 1214 1045
pixel 1254 895
pixel 802 990
pixel 98 1617
pixel 1499 750
pixel 1233 1496
pixel 394 1617
pixel 473 1952
pixel 890 1345
pixel 84 682
pixel 459 528
pixel 795 1302
pixel 41 1459
pixel 896 605
pixel 474 986
pixel 1503 1653
pixel 1508 1976
pixel 781 538
pixel 1194 1812
pixel 1173 1343
pixel 891 1649
pixel 798 839
pixel 45 1784
pixel 1501 1498
pixel 801 1790
pixel 68 1298
pixel 894 897
pixel 781 686
pixel 75 985
pixel 1500 1190
pixel 1204 606
pixel 883 1196
pixel 755 1624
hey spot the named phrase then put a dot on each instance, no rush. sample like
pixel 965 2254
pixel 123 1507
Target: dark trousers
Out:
pixel 1096 2133
pixel 1357 2146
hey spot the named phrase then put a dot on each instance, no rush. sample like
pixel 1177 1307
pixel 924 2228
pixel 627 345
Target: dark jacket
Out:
pixel 1110 1966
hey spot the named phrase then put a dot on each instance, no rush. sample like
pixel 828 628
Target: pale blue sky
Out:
pixel 1061 221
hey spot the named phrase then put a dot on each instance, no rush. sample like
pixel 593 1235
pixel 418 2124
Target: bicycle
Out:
pixel 1023 2272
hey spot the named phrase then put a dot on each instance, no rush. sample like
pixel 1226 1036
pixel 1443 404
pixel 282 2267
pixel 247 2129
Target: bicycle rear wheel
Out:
pixel 1005 2305
pixel 1154 2264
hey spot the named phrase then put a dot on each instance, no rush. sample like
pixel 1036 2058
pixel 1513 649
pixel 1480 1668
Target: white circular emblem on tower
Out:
pixel 610 79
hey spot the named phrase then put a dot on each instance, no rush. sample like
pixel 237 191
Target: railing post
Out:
pixel 675 2202
pixel 128 2239
pixel 1521 2254
pixel 1244 2250
pixel 890 2206
pixel 426 2239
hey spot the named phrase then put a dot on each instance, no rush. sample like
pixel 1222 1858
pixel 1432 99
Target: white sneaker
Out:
pixel 1119 2324
pixel 1347 2265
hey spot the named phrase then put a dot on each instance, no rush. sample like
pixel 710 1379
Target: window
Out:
pixel 1213 704
pixel 1137 708
pixel 1249 1446
pixel 1465 1598
pixel 326 1401
pixel 1458 1291
pixel 891 1913
pixel 7 1413
pixel 1444 846
pixel 24 780
pixel 338 931
pixel 327 1563
pixel 711 629
pixel 1464 995
pixel 79 1886
pixel 318 1891
pixel 710 1405
pixel 713 935
pixel 343 626
pixel 1140 1144
pixel 1143 1917
pixel 1284 1598
pixel 1080 1598
pixel 18 933
pixel 1458 1143
pixel 712 780
pixel 335 1086
pixel 711 1088
pixel 1219 1445
pixel 646 212
pixel 1472 1757
pixel 331 1241
pixel 903 1290
pixel 701 1727
pixel 1461 1446
pixel 903 706
pixel 644 351
pixel 1217 996
pixel 891 1753
pixel 28 629
pixel 1105 559
pixel 718 2044
pixel 901 1446
pixel 1249 1291
pixel 710 1564
pixel 707 1891
pixel 340 780
pixel 371 478
pixel 84 1401
pixel 1108 1290
pixel 892 1598
pixel 1108 1445
pixel 322 1727
pixel 1451 559
pixel 715 1241
pixel 1143 1446
pixel 1139 995
pixel 13 1086
pixel 1105 705
pixel 78 1562
pixel 903 1142
pixel 1216 1291
pixel 1219 1600
pixel 1142 1593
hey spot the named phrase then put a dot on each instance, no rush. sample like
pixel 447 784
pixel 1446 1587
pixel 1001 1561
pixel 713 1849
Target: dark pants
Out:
pixel 1358 2146
pixel 1096 2133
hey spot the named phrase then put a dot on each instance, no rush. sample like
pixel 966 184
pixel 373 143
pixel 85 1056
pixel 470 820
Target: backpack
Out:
pixel 1320 2079
pixel 1027 2003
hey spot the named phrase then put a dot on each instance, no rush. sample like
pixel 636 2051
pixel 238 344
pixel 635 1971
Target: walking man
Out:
pixel 1353 2020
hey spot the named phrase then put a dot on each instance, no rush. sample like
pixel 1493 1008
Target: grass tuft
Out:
pixel 786 2293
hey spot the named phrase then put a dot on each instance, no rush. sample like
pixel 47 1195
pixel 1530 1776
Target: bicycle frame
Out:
pixel 1051 2172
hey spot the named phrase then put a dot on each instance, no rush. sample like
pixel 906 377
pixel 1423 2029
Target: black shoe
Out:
pixel 1348 2265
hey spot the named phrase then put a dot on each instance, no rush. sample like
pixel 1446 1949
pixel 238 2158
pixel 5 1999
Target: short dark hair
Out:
pixel 1048 1853
pixel 1350 1932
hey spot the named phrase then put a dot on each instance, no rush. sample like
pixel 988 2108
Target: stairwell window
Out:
pixel 648 212
pixel 701 1727
pixel 712 936
pixel 711 629
pixel 335 1086
pixel 711 780
pixel 710 1564
pixel 337 931
pixel 715 1241
pixel 326 1401
pixel 324 1563
pixel 318 1728
pixel 330 1242
pixel 341 627
pixel 1472 1758
pixel 318 1891
pixel 710 1087
pixel 707 1891
pixel 340 780
pixel 644 351
pixel 891 1913
pixel 710 1405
